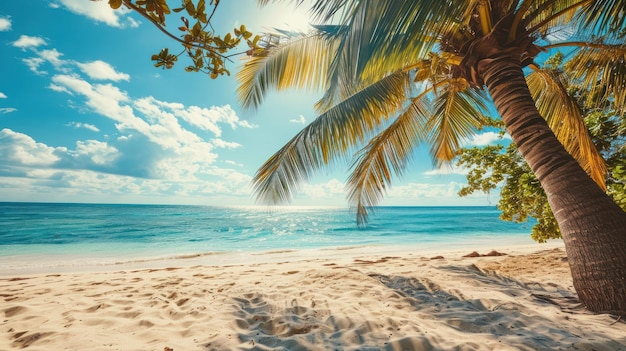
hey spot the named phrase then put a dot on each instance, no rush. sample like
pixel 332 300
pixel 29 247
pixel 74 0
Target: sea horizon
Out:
pixel 53 236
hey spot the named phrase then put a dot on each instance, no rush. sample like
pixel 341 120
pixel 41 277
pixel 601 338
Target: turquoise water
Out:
pixel 119 232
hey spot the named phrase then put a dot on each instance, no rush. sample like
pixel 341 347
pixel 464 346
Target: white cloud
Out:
pixel 34 63
pixel 300 120
pixel 155 144
pixel 246 124
pixel 102 71
pixel 5 110
pixel 26 41
pixel 225 144
pixel 203 118
pixel 59 89
pixel 20 149
pixel 2 95
pixel 231 162
pixel 83 125
pixel 331 189
pixel 447 169
pixel 53 56
pixel 487 138
pixel 5 24
pixel 132 22
pixel 426 194
pixel 100 153
pixel 99 11
pixel 102 98
pixel 160 148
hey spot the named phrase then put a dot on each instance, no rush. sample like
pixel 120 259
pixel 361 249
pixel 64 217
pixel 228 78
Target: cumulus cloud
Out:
pixel 83 125
pixel 26 41
pixel 59 89
pixel 101 70
pixel 208 119
pixel 20 149
pixel 225 144
pixel 331 189
pixel 2 95
pixel 104 99
pixel 50 56
pixel 447 170
pixel 5 110
pixel 98 152
pixel 5 24
pixel 99 11
pixel 332 192
pixel 486 138
pixel 155 140
pixel 300 120
pixel 53 56
pixel 34 63
pixel 159 148
pixel 443 194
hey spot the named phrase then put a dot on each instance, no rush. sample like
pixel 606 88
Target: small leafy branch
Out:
pixel 209 52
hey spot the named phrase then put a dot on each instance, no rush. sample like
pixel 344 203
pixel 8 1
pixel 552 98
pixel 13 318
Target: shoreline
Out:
pixel 11 265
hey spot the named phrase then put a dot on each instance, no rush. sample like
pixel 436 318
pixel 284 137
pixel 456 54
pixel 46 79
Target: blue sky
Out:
pixel 85 117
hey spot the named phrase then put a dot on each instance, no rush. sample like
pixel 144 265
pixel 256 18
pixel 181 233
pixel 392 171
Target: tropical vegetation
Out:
pixel 208 52
pixel 521 196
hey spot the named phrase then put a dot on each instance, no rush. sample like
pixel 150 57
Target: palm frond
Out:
pixel 329 136
pixel 603 72
pixel 300 62
pixel 385 154
pixel 458 113
pixel 602 16
pixel 341 83
pixel 564 116
pixel 380 37
pixel 397 32
pixel 545 15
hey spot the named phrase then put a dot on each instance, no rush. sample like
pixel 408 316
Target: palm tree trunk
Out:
pixel 592 225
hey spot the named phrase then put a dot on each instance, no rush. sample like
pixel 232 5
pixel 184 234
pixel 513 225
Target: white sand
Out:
pixel 347 300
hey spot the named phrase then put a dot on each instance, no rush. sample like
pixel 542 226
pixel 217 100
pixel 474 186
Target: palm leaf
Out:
pixel 564 116
pixel 385 154
pixel 546 15
pixel 365 54
pixel 384 36
pixel 458 112
pixel 340 77
pixel 300 62
pixel 602 16
pixel 603 72
pixel 330 135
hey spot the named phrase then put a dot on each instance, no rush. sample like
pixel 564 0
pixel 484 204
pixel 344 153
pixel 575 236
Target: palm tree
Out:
pixel 396 74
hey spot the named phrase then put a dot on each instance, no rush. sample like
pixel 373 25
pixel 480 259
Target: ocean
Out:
pixel 47 235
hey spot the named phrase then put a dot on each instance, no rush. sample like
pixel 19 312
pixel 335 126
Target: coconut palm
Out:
pixel 397 74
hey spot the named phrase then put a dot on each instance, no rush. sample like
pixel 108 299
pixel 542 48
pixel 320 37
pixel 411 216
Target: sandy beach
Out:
pixel 346 300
